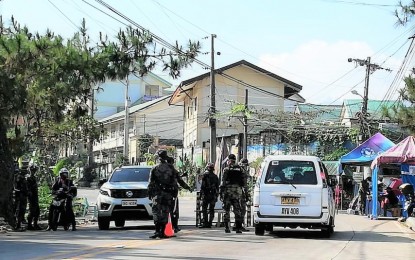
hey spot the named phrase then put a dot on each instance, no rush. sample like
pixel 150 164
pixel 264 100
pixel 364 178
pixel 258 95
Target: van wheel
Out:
pixel 329 229
pixel 103 223
pixel 259 229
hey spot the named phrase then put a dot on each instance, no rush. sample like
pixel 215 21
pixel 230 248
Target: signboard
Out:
pixel 358 176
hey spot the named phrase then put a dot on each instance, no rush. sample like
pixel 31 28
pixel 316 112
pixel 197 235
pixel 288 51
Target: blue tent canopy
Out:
pixel 365 153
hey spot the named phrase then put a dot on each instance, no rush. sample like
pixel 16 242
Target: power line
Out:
pixel 77 27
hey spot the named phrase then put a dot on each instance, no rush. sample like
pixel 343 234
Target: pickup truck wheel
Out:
pixel 103 223
pixel 259 229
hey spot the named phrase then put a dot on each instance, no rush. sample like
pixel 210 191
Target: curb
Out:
pixel 410 222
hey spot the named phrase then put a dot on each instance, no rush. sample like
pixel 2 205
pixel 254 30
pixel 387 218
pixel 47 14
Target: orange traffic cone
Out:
pixel 168 230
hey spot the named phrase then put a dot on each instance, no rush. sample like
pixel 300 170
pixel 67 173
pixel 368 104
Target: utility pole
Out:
pixel 245 147
pixel 212 119
pixel 125 152
pixel 370 68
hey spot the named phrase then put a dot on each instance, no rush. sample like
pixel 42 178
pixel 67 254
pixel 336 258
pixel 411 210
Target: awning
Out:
pixel 365 153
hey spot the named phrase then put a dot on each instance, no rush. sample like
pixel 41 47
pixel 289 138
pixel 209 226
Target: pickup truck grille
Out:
pixel 120 194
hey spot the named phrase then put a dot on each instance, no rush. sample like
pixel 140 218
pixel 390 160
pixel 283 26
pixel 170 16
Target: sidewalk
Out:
pixel 410 222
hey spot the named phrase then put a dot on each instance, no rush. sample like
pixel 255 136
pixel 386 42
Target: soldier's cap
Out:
pixel 162 154
pixel 232 157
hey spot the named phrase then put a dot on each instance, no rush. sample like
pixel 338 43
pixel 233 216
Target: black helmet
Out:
pixel 232 157
pixel 210 166
pixel 162 154
pixel 64 172
pixel 244 161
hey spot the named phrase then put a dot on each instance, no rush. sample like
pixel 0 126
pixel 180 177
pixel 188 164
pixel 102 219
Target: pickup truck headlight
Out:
pixel 104 192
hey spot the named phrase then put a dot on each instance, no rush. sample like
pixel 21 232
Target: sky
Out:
pixel 308 42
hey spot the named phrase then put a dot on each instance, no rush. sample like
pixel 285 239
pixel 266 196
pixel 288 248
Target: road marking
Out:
pixel 105 248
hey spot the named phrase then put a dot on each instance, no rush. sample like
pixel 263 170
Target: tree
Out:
pixel 45 84
pixel 404 112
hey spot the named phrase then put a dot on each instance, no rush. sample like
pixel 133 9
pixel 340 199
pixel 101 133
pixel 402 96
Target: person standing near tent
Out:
pixel 162 189
pixel 363 192
pixel 232 189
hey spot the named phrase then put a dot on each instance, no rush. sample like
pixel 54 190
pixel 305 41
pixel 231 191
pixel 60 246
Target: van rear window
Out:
pixel 291 172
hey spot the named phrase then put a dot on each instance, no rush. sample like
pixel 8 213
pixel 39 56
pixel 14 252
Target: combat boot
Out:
pixel 227 230
pixel 157 232
pixel 36 226
pixel 30 227
pixel 238 227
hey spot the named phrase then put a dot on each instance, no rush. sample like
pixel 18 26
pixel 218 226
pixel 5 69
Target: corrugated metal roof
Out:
pixel 134 109
pixel 320 113
pixel 374 107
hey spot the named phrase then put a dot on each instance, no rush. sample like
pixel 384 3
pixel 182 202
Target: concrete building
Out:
pixel 266 91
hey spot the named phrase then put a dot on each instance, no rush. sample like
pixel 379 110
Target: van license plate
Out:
pixel 290 200
pixel 290 211
pixel 129 203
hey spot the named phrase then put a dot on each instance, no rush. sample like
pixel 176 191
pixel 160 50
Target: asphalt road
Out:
pixel 355 237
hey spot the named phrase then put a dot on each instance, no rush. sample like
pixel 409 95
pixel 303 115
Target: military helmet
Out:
pixel 232 157
pixel 210 166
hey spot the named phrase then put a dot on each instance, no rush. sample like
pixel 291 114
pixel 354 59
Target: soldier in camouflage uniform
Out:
pixel 232 189
pixel 246 192
pixel 33 196
pixel 162 188
pixel 209 191
pixel 175 205
pixel 20 191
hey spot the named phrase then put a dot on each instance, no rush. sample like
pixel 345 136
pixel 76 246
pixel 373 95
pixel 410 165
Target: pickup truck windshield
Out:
pixel 130 175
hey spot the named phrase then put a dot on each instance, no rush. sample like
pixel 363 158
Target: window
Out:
pixel 130 175
pixel 291 172
pixel 195 103
pixel 152 90
pixel 121 132
pixel 113 130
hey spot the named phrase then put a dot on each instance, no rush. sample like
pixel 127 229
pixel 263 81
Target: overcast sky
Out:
pixel 305 41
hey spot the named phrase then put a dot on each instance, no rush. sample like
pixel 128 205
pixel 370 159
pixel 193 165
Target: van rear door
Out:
pixel 291 188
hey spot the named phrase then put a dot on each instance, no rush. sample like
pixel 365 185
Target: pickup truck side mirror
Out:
pixel 102 181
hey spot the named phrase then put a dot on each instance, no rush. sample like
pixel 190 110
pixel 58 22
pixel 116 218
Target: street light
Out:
pixel 356 93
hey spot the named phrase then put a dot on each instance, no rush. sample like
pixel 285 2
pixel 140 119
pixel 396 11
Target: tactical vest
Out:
pixel 235 176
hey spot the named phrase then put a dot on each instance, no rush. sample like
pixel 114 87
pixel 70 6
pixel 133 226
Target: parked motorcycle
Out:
pixel 58 208
pixel 408 191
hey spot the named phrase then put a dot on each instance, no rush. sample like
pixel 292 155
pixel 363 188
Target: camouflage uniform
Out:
pixel 246 196
pixel 33 196
pixel 162 188
pixel 209 193
pixel 233 184
pixel 20 189
pixel 175 206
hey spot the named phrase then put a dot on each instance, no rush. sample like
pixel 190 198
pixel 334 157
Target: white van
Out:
pixel 293 191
